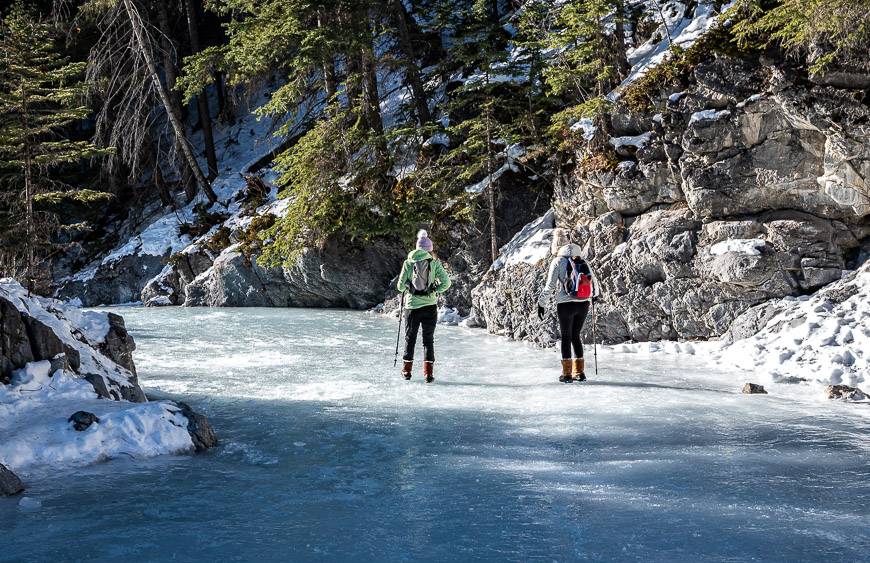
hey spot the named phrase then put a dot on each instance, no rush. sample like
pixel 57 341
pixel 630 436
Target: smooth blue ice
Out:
pixel 327 455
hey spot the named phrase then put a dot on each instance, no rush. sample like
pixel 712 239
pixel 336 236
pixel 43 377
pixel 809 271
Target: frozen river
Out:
pixel 328 455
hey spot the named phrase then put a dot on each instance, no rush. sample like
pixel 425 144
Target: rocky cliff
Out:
pixel 746 183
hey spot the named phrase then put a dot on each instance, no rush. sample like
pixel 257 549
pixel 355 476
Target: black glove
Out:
pixel 540 312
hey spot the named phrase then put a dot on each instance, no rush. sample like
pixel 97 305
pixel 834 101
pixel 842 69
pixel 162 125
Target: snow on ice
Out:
pixel 820 338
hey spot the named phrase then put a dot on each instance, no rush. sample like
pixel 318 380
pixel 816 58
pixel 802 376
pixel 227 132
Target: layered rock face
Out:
pixel 119 281
pixel 747 186
pixel 339 275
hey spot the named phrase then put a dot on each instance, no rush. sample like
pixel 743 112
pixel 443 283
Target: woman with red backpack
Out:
pixel 575 287
pixel 424 277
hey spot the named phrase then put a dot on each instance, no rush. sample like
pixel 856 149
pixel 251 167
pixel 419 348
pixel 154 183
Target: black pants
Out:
pixel 428 318
pixel 572 315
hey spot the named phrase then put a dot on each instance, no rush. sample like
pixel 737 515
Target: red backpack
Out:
pixel 578 278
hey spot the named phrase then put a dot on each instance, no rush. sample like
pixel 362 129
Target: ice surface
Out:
pixel 327 454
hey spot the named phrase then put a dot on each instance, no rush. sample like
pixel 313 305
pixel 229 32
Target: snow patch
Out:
pixel 708 115
pixel 80 330
pixel 750 100
pixel 637 141
pixel 34 407
pixel 449 316
pixel 530 245
pixel 587 126
pixel 511 154
pixel 749 247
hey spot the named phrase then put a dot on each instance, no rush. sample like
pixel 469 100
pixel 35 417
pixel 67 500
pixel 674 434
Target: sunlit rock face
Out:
pixel 747 185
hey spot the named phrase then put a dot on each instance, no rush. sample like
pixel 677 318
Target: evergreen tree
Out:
pixel 41 95
pixel 838 30
pixel 483 112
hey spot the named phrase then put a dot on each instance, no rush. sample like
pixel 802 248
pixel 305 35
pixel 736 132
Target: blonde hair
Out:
pixel 561 237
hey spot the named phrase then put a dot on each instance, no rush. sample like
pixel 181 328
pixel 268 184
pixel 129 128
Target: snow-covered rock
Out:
pixel 58 365
pixel 823 338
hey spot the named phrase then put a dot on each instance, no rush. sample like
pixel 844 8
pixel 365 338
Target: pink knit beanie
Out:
pixel 423 241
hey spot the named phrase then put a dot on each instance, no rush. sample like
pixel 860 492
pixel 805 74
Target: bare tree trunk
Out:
pixel 412 72
pixel 168 47
pixel 490 189
pixel 145 49
pixel 370 90
pixel 330 84
pixel 29 227
pixel 202 99
pixel 622 66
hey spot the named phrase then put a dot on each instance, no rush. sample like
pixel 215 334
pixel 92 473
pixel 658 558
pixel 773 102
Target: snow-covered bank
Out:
pixel 56 360
pixel 820 339
pixel 35 435
pixel 824 337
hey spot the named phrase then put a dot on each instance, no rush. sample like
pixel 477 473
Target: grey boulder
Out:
pixel 10 484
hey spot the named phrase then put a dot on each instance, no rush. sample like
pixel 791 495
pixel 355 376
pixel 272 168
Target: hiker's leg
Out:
pixel 412 325
pixel 582 310
pixel 563 311
pixel 429 319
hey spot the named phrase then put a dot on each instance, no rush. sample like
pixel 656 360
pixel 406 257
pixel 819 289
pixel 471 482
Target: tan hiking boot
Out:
pixel 429 371
pixel 566 376
pixel 406 370
pixel 579 365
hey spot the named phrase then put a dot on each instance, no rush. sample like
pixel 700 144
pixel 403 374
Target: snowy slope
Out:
pixel 239 146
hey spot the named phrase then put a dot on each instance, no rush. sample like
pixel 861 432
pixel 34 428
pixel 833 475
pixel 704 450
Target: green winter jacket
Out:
pixel 437 277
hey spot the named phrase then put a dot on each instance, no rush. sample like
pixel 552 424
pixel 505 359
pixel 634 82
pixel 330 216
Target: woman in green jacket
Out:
pixel 424 278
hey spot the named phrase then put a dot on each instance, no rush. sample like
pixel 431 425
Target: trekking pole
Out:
pixel 399 333
pixel 594 339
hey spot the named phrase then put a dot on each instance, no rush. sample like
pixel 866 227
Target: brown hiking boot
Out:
pixel 579 365
pixel 406 370
pixel 566 376
pixel 428 371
